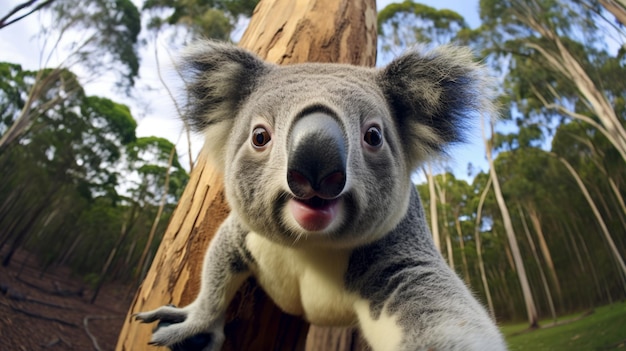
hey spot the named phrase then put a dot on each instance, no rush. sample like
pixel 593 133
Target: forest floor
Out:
pixel 604 328
pixel 52 311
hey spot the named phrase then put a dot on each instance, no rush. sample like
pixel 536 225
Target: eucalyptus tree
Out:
pixel 23 10
pixel 524 168
pixel 22 167
pixel 501 280
pixel 79 183
pixel 161 180
pixel 575 145
pixel 432 200
pixel 531 309
pixel 443 202
pixel 453 196
pixel 404 25
pixel 199 18
pixel 70 151
pixel 560 64
pixel 594 157
pixel 400 27
pixel 99 37
pixel 616 7
pixel 569 207
pixel 479 246
pixel 156 180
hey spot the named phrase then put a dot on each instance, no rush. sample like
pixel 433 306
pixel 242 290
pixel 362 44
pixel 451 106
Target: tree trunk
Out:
pixel 107 265
pixel 563 61
pixel 157 217
pixel 510 233
pixel 592 266
pixel 434 224
pixel 534 218
pixel 281 31
pixel 126 228
pixel 509 257
pixel 607 235
pixel 542 274
pixel 618 195
pixel 459 232
pixel 441 195
pixel 23 234
pixel 617 8
pixel 479 251
pixel 40 87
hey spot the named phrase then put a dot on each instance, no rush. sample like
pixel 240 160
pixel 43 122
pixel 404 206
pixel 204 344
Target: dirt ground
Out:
pixel 52 312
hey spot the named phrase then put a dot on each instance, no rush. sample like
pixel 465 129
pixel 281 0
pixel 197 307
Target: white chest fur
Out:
pixel 307 282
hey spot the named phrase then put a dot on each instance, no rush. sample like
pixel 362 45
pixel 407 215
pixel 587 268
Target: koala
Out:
pixel 317 162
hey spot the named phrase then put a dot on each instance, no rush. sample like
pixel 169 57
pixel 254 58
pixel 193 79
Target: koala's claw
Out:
pixel 183 337
pixel 167 314
pixel 181 333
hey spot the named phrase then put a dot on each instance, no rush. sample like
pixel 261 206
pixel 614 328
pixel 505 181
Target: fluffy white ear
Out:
pixel 219 77
pixel 433 95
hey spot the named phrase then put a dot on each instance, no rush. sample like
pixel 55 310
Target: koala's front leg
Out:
pixel 226 267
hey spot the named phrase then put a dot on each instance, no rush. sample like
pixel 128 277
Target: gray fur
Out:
pixel 374 262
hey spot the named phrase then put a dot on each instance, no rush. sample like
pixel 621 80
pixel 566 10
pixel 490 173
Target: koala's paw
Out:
pixel 180 331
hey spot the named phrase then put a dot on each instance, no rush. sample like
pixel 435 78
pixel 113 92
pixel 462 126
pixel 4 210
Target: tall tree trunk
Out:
pixel 542 274
pixel 70 249
pixel 24 232
pixel 592 266
pixel 449 249
pixel 607 235
pixel 509 257
pixel 598 158
pixel 510 233
pixel 601 199
pixel 441 195
pixel 281 31
pixel 107 265
pixel 617 8
pixel 157 218
pixel 126 228
pixel 569 235
pixel 8 203
pixel 563 61
pixel 434 220
pixel 459 231
pixel 618 195
pixel 479 251
pixel 534 218
pixel 28 114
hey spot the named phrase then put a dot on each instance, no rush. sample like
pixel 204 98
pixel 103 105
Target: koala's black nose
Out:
pixel 317 155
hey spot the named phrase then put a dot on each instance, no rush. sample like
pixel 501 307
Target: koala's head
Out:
pixel 322 153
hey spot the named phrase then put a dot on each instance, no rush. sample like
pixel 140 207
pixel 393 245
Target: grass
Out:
pixel 605 329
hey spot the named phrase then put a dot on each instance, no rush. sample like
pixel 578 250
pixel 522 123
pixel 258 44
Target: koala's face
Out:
pixel 314 156
pixel 320 154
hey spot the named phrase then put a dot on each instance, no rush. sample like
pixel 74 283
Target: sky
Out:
pixel 152 106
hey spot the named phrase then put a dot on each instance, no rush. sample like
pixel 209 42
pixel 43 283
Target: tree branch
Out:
pixel 18 8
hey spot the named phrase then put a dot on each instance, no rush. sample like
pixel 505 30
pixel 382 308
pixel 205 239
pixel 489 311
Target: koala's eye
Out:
pixel 373 136
pixel 260 137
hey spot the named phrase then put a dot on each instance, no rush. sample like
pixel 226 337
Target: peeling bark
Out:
pixel 284 32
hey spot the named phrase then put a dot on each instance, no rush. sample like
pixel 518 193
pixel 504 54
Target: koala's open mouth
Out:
pixel 317 202
pixel 314 214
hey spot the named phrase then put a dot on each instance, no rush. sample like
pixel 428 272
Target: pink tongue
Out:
pixel 313 219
